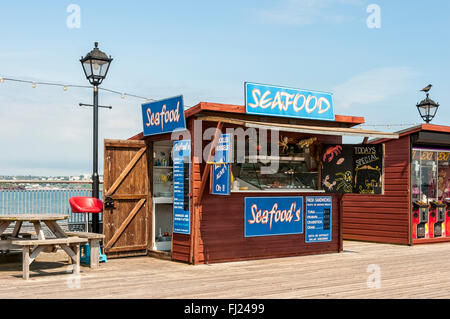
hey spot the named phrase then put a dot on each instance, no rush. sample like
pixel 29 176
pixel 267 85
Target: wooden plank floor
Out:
pixel 421 271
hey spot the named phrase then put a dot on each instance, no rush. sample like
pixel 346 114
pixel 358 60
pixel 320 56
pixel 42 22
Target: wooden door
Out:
pixel 126 216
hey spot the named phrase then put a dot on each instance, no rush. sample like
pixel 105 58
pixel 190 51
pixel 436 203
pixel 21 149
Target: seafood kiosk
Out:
pixel 221 182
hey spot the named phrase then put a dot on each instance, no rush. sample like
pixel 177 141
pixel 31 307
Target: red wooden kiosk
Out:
pixel 139 188
pixel 415 205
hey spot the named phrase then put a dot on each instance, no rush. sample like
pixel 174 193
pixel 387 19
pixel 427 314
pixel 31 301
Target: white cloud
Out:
pixel 304 12
pixel 373 86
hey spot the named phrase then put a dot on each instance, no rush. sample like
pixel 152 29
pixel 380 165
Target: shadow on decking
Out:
pixel 11 265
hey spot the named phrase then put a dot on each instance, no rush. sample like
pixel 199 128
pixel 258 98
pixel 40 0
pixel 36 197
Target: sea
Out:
pixel 53 202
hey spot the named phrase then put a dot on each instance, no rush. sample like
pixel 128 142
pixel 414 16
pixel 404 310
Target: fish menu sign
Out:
pixel 280 101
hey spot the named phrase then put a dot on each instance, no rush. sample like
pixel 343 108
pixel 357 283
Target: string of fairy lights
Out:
pixel 65 87
pixel 123 95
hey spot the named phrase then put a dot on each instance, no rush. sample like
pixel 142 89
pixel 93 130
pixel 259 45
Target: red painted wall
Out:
pixel 383 218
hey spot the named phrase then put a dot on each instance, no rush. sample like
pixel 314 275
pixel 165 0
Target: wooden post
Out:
pixel 26 262
pixel 76 266
pixel 95 253
pixel 16 230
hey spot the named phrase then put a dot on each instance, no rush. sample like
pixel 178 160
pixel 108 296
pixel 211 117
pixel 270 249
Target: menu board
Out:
pixel 337 171
pixel 368 169
pixel 318 219
pixel 352 168
pixel 181 182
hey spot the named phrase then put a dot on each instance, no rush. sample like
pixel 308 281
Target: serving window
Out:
pixel 292 166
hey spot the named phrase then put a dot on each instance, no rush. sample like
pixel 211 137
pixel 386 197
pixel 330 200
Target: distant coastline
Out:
pixel 23 183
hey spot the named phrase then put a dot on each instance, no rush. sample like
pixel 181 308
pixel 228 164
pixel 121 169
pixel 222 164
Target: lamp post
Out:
pixel 95 66
pixel 427 109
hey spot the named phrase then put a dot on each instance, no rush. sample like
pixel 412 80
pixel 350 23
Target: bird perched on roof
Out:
pixel 427 88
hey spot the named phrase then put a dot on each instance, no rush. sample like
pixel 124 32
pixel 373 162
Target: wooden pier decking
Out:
pixel 421 271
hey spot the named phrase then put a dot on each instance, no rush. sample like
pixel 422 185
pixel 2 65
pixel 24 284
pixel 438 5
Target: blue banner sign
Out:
pixel 268 216
pixel 220 179
pixel 288 102
pixel 318 219
pixel 181 187
pixel 223 149
pixel 163 116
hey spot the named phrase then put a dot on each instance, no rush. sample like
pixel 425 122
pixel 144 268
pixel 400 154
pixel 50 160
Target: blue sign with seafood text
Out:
pixel 163 116
pixel 318 216
pixel 273 100
pixel 269 216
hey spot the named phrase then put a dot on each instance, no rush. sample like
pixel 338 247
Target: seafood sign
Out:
pixel 268 216
pixel 288 102
pixel 163 116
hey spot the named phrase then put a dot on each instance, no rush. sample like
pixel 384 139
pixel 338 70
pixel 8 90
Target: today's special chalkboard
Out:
pixel 350 168
pixel 368 169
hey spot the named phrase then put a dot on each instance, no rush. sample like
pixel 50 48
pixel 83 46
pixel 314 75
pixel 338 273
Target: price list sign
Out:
pixel 181 177
pixel 318 219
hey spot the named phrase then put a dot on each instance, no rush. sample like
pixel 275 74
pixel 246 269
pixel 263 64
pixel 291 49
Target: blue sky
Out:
pixel 205 50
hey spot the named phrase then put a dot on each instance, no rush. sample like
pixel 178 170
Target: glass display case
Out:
pixel 294 165
pixel 290 175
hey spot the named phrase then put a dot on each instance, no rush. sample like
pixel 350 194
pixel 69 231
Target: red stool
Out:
pixel 86 205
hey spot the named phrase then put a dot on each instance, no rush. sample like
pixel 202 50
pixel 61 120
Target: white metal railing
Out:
pixel 54 201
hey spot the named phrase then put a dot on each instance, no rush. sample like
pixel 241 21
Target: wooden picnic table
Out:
pixel 31 247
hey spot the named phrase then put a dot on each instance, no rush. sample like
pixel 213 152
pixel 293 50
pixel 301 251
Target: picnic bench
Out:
pixel 70 245
pixel 94 240
pixel 31 248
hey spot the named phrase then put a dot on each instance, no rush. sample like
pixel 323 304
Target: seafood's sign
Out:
pixel 273 100
pixel 268 216
pixel 352 169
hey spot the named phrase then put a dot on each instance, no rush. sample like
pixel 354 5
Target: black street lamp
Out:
pixel 95 65
pixel 427 109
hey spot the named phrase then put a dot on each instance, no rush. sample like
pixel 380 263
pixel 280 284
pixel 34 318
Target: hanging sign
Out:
pixel 181 187
pixel 318 219
pixel 288 102
pixel 221 168
pixel 223 149
pixel 220 179
pixel 268 216
pixel 163 116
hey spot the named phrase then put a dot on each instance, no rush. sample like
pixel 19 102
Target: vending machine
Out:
pixel 447 218
pixel 420 219
pixel 437 219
